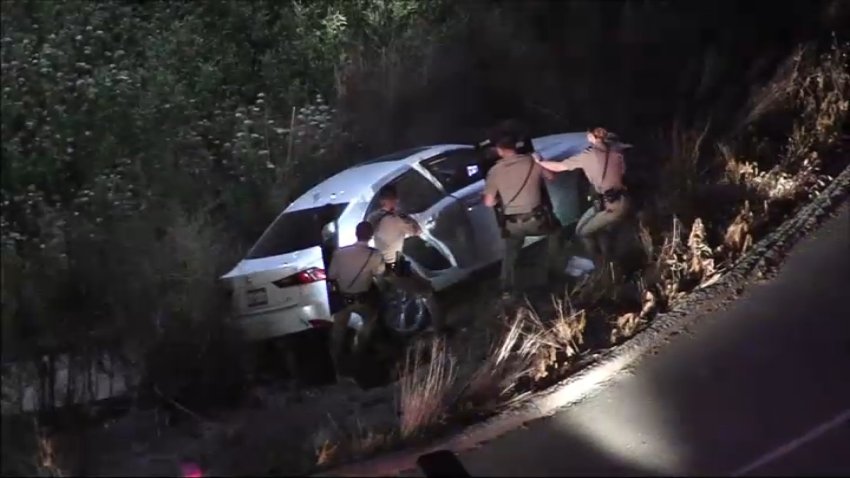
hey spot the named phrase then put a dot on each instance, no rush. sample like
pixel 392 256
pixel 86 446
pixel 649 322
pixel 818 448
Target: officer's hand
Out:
pixel 537 157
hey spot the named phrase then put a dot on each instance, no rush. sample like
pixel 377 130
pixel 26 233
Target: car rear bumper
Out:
pixel 277 323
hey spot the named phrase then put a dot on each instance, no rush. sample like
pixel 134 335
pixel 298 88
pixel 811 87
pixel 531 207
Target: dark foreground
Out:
pixel 761 388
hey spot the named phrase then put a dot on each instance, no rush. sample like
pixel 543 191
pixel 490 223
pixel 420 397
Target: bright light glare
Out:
pixel 638 432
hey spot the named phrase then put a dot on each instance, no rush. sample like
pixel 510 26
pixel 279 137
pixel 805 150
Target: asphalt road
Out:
pixel 760 388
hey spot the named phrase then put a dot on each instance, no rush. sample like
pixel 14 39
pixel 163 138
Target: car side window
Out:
pixel 457 169
pixel 415 193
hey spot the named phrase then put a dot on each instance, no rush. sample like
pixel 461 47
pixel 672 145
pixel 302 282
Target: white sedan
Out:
pixel 279 287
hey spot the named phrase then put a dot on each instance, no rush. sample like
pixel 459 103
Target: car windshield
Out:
pixel 295 231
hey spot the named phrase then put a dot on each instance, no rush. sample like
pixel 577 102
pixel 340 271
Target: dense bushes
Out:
pixel 144 144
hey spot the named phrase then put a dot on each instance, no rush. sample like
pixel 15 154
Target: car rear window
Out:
pixel 295 231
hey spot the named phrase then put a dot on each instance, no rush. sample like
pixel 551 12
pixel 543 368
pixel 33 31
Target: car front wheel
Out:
pixel 407 312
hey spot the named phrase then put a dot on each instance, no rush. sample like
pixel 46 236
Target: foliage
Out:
pixel 144 144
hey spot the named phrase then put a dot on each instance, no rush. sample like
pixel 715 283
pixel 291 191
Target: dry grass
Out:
pixel 775 94
pixel 817 89
pixel 327 454
pixel 700 254
pixel 681 164
pixel 427 379
pixel 29 450
pixel 47 463
pixel 355 440
pixel 558 342
pixel 738 238
pixel 645 237
pixel 682 264
pixel 508 358
pixel 820 89
pixel 670 264
pixel 528 347
pixel 368 441
pixel 567 327
pixel 599 284
pixel 626 325
pixel 773 185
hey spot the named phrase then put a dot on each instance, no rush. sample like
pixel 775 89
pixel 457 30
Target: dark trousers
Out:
pixel 517 233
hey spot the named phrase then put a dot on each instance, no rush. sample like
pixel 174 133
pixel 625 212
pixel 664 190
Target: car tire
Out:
pixel 405 312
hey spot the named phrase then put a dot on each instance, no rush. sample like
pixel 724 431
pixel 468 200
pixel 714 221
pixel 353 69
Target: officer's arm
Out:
pixel 490 191
pixel 573 162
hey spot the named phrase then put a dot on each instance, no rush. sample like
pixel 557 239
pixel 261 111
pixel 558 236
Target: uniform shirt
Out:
pixel 347 262
pixel 592 161
pixel 390 232
pixel 507 176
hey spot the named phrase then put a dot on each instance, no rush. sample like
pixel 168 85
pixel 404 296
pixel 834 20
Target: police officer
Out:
pixel 353 270
pixel 391 229
pixel 517 181
pixel 603 164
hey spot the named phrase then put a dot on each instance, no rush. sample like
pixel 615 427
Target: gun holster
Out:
pixel 336 302
pixel 501 219
pixel 402 265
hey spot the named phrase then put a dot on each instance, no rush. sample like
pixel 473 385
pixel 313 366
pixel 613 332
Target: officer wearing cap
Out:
pixel 603 164
pixel 353 271
pixel 516 181
pixel 391 229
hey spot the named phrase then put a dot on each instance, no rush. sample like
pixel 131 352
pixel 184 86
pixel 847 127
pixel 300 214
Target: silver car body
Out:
pixel 279 287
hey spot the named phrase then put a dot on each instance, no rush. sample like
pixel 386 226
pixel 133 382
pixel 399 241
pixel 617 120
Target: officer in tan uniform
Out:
pixel 353 270
pixel 603 164
pixel 517 181
pixel 391 229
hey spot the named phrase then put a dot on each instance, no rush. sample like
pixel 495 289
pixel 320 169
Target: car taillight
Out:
pixel 320 323
pixel 313 274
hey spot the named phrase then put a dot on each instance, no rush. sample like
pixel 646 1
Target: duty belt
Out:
pixel 608 196
pixel 350 299
pixel 535 213
pixel 398 269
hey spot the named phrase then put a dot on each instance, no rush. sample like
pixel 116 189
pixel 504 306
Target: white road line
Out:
pixel 795 443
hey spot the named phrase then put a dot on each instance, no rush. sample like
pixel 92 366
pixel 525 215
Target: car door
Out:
pixel 445 221
pixel 568 190
pixel 461 175
pixel 441 244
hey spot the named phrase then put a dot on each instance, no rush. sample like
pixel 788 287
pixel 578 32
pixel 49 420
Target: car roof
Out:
pixel 560 146
pixel 354 181
pixel 350 183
